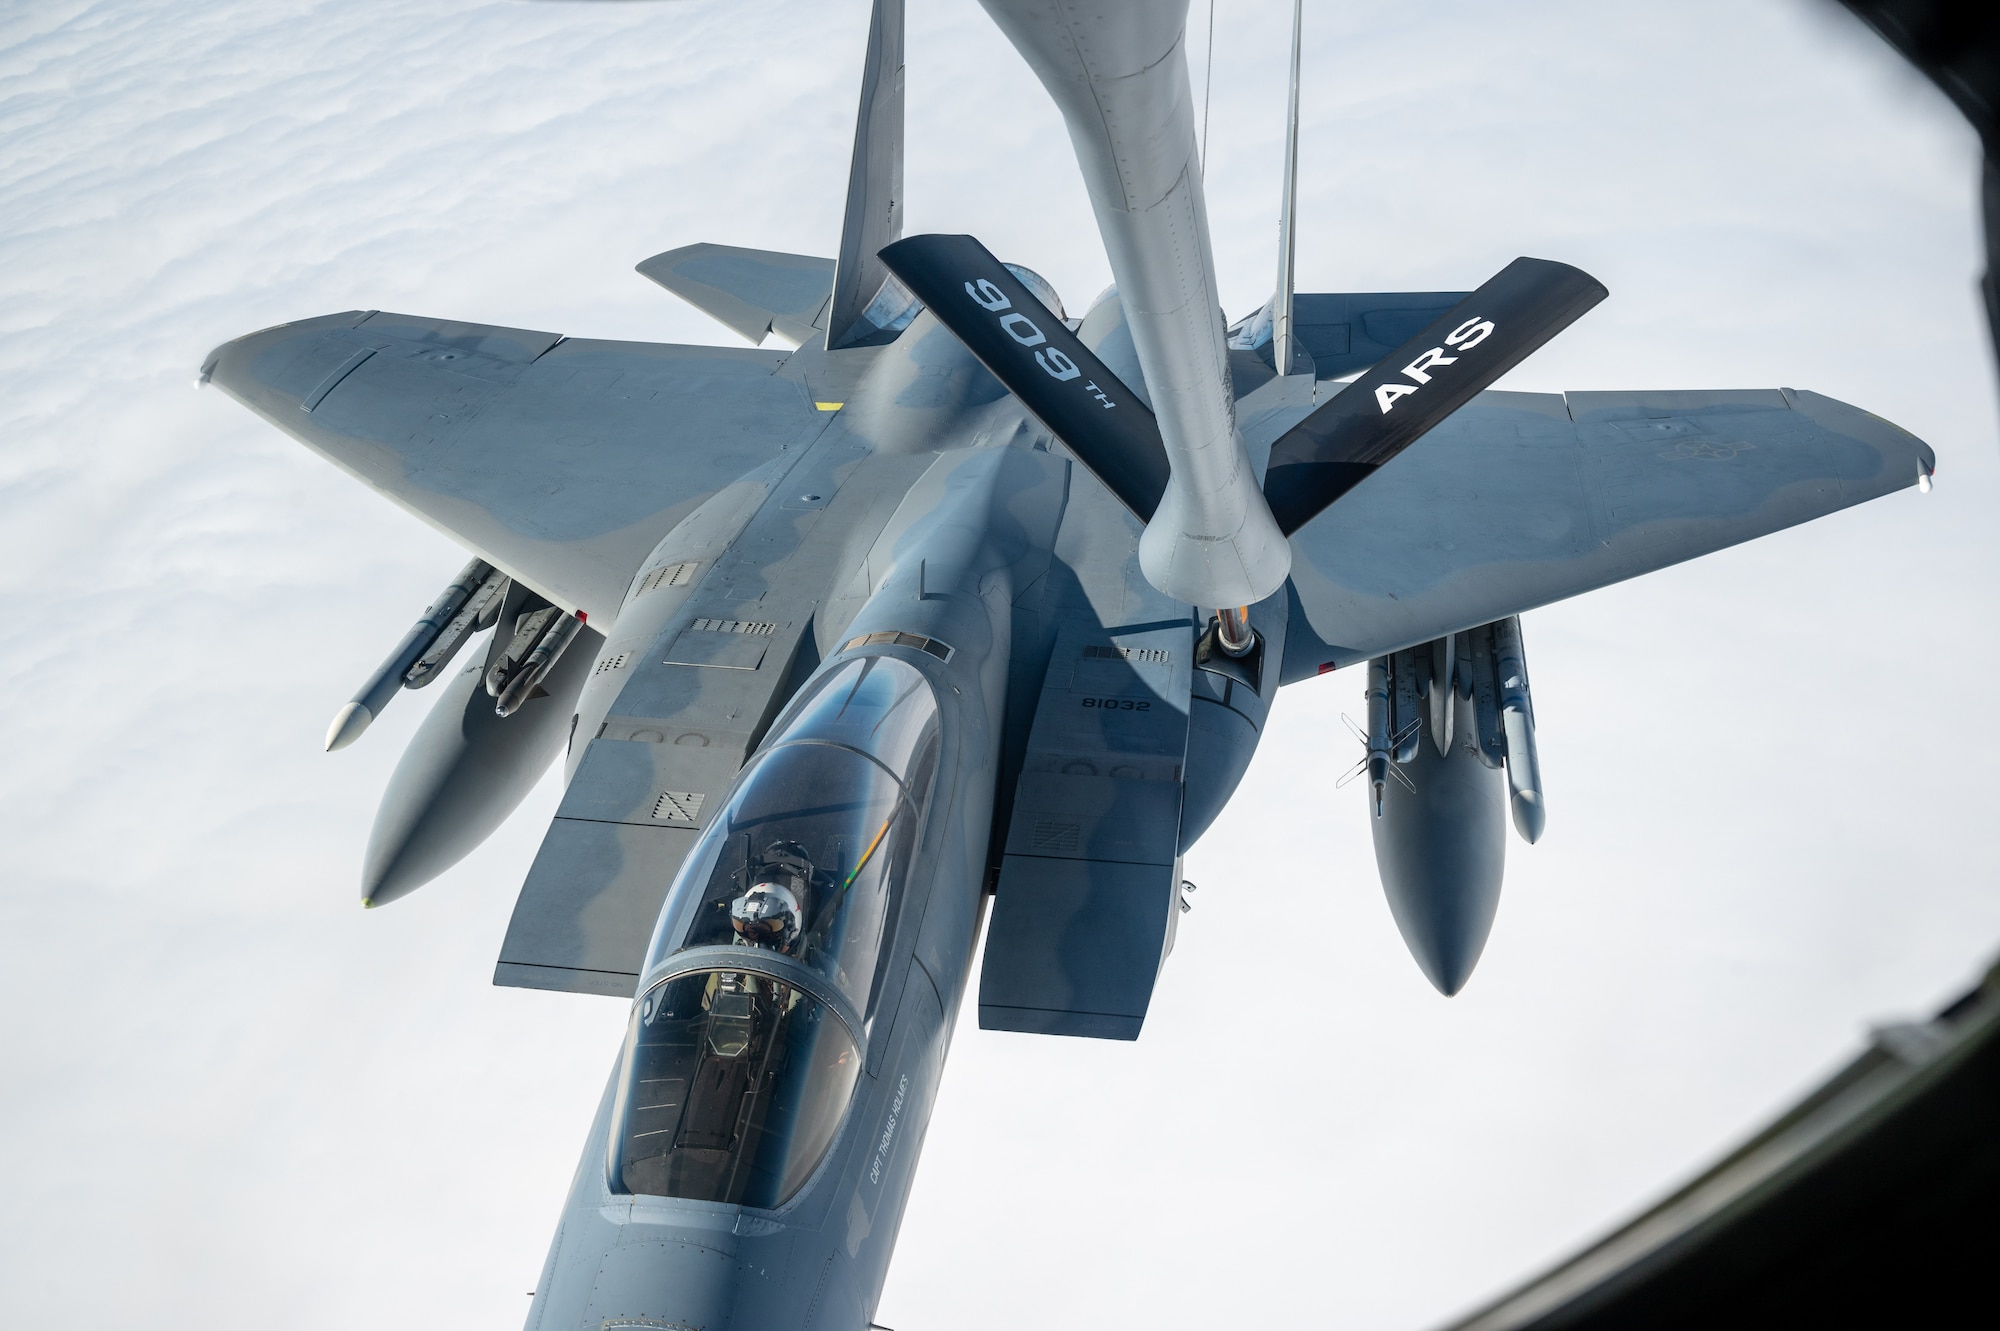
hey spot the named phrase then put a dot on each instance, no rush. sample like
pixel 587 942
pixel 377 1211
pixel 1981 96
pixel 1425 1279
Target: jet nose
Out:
pixel 660 1279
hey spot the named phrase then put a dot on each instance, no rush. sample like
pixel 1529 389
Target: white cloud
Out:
pixel 234 1096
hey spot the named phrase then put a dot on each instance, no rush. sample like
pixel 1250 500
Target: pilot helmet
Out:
pixel 767 915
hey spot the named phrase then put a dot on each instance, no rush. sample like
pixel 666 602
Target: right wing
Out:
pixel 560 460
pixel 1521 499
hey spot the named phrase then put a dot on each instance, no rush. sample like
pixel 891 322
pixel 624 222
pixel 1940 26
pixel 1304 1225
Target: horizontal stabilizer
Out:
pixel 1422 382
pixel 1041 362
pixel 755 292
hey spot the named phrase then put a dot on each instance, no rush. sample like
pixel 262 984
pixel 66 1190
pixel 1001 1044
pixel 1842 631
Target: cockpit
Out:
pixel 770 950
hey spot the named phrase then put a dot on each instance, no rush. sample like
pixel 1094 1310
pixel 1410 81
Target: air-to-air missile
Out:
pixel 461 610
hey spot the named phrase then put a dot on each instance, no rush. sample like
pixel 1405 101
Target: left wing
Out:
pixel 1521 499
pixel 560 460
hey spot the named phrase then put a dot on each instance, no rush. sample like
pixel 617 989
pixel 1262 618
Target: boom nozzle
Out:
pixel 1233 632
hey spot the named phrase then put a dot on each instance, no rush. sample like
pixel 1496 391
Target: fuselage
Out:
pixel 755 1146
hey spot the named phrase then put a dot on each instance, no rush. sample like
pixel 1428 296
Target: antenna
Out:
pixel 1284 346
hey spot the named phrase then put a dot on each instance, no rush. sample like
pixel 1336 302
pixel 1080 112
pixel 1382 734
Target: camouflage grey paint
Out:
pixel 720 460
pixel 953 575
pixel 683 496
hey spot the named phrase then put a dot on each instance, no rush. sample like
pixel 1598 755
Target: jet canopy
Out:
pixel 743 1054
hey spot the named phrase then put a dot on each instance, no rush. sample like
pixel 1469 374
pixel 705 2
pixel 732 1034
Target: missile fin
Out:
pixel 1489 741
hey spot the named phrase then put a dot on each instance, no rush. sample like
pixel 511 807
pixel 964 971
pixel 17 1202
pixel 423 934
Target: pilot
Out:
pixel 768 914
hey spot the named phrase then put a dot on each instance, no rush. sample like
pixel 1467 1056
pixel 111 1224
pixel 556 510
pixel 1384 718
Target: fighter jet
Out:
pixel 938 602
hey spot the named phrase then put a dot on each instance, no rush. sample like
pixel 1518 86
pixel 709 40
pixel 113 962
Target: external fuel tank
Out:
pixel 466 769
pixel 1442 849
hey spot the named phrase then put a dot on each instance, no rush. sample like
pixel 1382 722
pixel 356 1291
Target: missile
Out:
pixel 542 633
pixel 1406 684
pixel 548 649
pixel 532 617
pixel 478 614
pixel 1385 744
pixel 467 769
pixel 1379 745
pixel 1517 721
pixel 367 704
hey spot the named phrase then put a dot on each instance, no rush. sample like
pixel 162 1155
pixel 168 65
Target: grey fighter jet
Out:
pixel 954 599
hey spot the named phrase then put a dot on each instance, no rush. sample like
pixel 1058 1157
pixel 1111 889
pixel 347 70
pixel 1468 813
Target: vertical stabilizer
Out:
pixel 1285 348
pixel 866 299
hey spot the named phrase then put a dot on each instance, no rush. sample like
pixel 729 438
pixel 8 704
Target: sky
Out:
pixel 231 1097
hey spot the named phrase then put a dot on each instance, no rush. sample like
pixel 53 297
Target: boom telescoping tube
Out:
pixel 367 704
pixel 1443 710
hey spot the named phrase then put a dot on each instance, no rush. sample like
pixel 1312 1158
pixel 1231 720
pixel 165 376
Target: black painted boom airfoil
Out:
pixel 1040 361
pixel 1314 463
pixel 1414 388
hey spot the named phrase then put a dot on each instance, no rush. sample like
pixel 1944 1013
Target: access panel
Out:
pixel 1089 883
